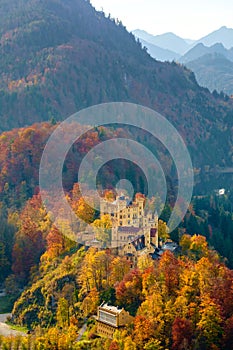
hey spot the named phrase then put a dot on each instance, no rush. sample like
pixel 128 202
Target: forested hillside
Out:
pixel 177 301
pixel 57 57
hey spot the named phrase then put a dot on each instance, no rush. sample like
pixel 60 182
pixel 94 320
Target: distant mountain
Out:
pixel 193 48
pixel 158 53
pixel 168 41
pixel 214 71
pixel 190 41
pixel 212 65
pixel 210 58
pixel 201 50
pixel 223 35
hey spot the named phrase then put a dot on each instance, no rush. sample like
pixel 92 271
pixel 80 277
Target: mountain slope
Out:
pixel 60 56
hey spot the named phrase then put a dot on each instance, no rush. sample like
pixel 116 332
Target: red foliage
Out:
pixel 169 267
pixel 228 334
pixel 114 345
pixel 222 292
pixel 182 333
pixel 129 290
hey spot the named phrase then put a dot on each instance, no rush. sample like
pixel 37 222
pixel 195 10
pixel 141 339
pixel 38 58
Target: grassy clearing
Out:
pixel 17 327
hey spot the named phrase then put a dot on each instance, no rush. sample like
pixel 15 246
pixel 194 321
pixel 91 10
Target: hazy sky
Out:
pixel 187 18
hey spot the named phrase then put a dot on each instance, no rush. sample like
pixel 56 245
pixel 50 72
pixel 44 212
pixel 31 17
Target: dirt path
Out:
pixel 82 331
pixel 5 330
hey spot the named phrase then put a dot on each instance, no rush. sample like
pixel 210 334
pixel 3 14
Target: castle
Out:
pixel 134 231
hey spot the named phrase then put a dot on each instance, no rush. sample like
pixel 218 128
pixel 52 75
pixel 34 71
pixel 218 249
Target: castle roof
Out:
pixel 128 229
pixel 139 243
pixel 153 232
pixel 111 308
pixel 172 246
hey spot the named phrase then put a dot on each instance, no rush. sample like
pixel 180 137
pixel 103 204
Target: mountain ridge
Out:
pixel 223 35
pixel 167 41
pixel 200 50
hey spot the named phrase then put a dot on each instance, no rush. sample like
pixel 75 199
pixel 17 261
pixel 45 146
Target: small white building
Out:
pixel 110 318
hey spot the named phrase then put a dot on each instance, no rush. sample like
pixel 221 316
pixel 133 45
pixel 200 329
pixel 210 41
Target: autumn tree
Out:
pixel 109 195
pixel 210 324
pixel 163 231
pixel 189 281
pixel 102 228
pixel 153 309
pixel 207 272
pixel 169 269
pixel 30 242
pixel 182 333
pixel 222 291
pixel 153 344
pixel 198 247
pixel 129 344
pixel 129 291
pixel 148 279
pixel 84 211
pixel 228 334
pixel 144 262
pixel 55 244
pixel 119 267
pixel 63 314
pixel 114 345
pixel 27 250
pixel 185 243
pixel 90 303
pixel 95 271
pixel 143 331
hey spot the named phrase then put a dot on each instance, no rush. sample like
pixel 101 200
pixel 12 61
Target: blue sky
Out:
pixel 189 19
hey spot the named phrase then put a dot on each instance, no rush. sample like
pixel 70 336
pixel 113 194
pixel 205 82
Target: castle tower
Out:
pixel 151 225
pixel 140 201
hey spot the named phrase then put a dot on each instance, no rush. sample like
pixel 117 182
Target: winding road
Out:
pixel 5 330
